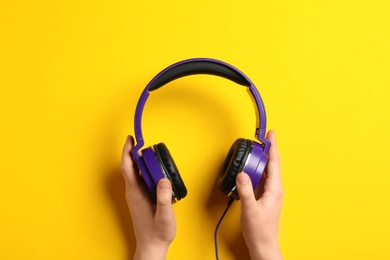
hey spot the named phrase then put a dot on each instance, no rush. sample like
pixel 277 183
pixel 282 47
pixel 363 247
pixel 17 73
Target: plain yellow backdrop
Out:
pixel 71 73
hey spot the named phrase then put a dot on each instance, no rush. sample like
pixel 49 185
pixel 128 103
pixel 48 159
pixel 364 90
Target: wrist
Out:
pixel 269 251
pixel 151 252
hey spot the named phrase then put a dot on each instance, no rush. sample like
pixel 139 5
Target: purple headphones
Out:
pixel 245 155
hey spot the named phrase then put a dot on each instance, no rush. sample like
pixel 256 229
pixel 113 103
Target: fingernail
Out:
pixel 242 178
pixel 164 185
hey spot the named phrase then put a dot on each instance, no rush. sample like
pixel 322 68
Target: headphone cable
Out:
pixel 218 224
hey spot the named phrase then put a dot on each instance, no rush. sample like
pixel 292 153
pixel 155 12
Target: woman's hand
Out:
pixel 260 209
pixel 154 225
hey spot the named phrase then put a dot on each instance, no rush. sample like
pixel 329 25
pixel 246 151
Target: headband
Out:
pixel 202 66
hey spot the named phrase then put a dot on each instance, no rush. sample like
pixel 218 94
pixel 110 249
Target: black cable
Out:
pixel 218 224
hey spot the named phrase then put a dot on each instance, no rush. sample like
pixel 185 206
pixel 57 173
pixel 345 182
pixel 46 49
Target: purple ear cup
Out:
pixel 159 164
pixel 256 163
pixel 151 170
pixel 245 155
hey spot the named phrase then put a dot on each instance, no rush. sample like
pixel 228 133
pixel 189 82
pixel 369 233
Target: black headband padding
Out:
pixel 198 67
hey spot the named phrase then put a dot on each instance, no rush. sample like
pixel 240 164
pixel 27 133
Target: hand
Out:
pixel 260 209
pixel 154 225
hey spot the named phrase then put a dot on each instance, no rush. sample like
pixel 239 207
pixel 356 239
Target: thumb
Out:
pixel 164 210
pixel 245 191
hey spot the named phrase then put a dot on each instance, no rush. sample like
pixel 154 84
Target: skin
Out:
pixel 155 225
pixel 260 209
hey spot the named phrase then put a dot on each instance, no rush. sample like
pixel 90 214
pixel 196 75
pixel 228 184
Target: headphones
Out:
pixel 246 155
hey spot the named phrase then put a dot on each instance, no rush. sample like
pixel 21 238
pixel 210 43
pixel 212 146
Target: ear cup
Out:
pixel 166 161
pixel 234 164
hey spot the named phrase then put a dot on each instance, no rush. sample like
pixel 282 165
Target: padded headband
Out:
pixel 197 66
pixel 201 66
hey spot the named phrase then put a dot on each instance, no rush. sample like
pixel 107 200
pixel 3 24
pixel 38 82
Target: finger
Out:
pixel 260 187
pixel 245 191
pixel 127 161
pixel 273 166
pixel 126 157
pixel 164 211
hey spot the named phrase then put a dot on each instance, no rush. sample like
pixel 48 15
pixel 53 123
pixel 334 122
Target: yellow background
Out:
pixel 71 73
